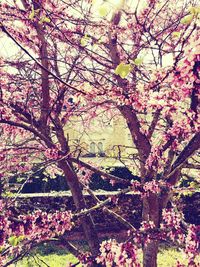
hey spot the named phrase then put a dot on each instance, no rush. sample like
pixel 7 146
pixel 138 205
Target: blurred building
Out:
pixel 103 143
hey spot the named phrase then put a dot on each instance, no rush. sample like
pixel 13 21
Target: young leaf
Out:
pixel 103 10
pixel 123 70
pixel 20 238
pixel 176 34
pixel 32 14
pixel 85 40
pixel 187 19
pixel 44 19
pixel 138 61
pixel 194 10
pixel 13 241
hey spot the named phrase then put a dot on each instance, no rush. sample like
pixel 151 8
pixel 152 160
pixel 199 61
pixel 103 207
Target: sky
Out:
pixel 9 49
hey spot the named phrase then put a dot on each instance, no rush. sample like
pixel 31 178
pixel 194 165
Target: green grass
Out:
pixel 57 257
pixel 52 255
pixel 52 260
pixel 169 257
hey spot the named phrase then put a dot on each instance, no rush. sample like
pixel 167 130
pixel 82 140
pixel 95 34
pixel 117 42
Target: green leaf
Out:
pixel 85 40
pixel 194 10
pixel 194 184
pixel 20 179
pixel 33 13
pixel 44 19
pixel 13 241
pixel 138 61
pixel 187 19
pixel 104 9
pixel 123 70
pixel 8 194
pixel 20 238
pixel 176 34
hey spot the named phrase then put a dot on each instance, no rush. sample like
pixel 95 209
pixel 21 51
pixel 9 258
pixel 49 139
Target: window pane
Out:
pixel 92 148
pixel 100 147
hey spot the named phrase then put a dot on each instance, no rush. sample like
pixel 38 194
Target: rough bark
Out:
pixel 87 223
pixel 150 252
pixel 151 212
pixel 74 185
pixel 139 139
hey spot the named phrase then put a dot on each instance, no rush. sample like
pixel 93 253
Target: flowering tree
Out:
pixel 83 58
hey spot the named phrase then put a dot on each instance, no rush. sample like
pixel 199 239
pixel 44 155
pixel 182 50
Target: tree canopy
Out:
pixel 139 61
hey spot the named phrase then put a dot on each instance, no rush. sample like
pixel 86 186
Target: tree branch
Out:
pixel 97 171
pixel 188 151
pixel 3 28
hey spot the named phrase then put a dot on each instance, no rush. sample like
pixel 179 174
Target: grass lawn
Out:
pixel 47 255
pixel 169 258
pixel 52 260
pixel 54 257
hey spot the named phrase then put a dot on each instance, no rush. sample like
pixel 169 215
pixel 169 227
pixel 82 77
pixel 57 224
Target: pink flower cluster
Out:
pixel 136 186
pixel 152 187
pixel 172 225
pixel 154 158
pixel 181 128
pixel 37 227
pixel 147 225
pixel 84 175
pixel 178 264
pixel 52 153
pixel 192 242
pixel 85 259
pixel 147 233
pixel 42 225
pixel 190 238
pixel 117 254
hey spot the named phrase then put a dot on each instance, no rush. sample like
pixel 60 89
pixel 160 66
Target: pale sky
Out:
pixel 9 49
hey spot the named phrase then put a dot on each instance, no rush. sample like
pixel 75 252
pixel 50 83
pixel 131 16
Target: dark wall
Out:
pixel 41 183
pixel 128 206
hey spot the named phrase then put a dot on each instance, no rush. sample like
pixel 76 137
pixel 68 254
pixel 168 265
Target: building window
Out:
pixel 92 148
pixel 100 149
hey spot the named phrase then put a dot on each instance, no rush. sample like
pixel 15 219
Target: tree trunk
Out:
pixel 150 252
pixel 151 212
pixel 79 201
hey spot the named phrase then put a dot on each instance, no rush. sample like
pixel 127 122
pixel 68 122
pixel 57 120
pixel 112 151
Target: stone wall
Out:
pixel 128 206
